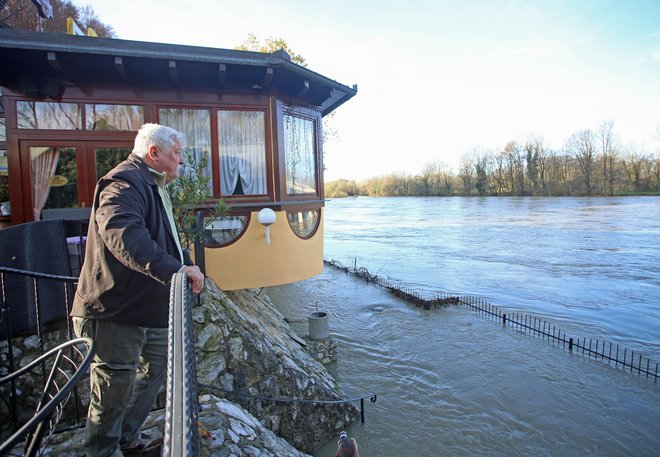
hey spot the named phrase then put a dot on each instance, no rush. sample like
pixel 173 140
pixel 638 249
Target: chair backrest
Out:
pixel 67 214
pixel 67 363
pixel 41 248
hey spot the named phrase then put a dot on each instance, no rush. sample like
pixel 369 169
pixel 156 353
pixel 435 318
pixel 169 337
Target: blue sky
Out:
pixel 439 79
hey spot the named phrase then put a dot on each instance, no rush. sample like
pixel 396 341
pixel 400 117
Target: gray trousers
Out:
pixel 127 372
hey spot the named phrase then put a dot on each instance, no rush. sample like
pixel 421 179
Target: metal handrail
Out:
pixel 372 398
pixel 65 372
pixel 36 300
pixel 182 402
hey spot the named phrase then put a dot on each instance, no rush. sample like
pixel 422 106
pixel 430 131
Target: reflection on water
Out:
pixel 451 383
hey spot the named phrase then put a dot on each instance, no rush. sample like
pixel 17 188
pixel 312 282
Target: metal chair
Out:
pixel 65 364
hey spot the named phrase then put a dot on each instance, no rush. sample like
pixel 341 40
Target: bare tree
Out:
pixel 655 173
pixel 516 161
pixel 466 172
pixel 583 147
pixel 608 155
pixel 437 178
pixel 636 163
pixel 542 159
pixel 500 173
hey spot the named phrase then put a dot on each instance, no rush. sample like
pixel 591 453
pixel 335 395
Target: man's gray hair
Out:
pixel 157 135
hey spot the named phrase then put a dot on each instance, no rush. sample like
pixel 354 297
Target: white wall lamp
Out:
pixel 267 217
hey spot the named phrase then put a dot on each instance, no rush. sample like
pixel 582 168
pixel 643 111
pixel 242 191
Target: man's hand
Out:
pixel 195 278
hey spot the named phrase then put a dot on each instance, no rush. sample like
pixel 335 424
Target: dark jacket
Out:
pixel 131 252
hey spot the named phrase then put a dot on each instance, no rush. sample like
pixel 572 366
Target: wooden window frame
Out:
pixel 307 113
pixel 215 146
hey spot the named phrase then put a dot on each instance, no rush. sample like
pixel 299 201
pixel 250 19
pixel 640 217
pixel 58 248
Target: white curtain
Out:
pixel 300 155
pixel 196 126
pixel 43 164
pixel 242 153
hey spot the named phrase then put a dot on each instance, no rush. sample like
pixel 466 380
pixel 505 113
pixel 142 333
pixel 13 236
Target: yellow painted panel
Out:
pixel 249 262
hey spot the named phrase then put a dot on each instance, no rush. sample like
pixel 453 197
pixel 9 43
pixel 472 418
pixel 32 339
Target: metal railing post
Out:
pixel 200 258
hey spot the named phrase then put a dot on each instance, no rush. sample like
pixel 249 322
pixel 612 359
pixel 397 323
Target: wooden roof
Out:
pixel 41 64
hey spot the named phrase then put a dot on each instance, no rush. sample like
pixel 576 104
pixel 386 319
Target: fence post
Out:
pixel 504 318
pixel 570 344
pixel 200 259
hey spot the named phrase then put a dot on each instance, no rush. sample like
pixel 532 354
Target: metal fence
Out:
pixel 608 352
pixel 44 300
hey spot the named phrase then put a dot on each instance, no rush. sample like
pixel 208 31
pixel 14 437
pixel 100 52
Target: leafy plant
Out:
pixel 190 193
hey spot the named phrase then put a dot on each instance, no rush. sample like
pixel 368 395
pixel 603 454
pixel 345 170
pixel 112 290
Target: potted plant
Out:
pixel 191 193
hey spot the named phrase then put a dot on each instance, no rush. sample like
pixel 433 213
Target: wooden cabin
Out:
pixel 71 106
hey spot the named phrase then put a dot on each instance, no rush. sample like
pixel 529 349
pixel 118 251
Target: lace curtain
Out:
pixel 300 155
pixel 242 153
pixel 196 126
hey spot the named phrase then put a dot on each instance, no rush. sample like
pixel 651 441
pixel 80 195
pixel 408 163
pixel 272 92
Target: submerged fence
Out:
pixel 608 352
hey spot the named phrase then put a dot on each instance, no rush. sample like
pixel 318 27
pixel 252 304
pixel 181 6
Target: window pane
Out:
pixel 54 178
pixel 3 132
pixel 196 126
pixel 113 117
pixel 5 209
pixel 300 155
pixel 242 138
pixel 48 115
pixel 222 231
pixel 107 158
pixel 304 223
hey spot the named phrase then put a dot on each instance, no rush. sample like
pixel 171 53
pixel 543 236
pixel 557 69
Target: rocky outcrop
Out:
pixel 248 352
pixel 226 430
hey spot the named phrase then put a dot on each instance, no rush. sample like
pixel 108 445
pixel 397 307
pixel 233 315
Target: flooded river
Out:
pixel 452 383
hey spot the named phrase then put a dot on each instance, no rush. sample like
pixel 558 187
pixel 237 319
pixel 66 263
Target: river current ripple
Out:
pixel 452 383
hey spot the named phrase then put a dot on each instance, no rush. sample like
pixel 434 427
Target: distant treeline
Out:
pixel 590 164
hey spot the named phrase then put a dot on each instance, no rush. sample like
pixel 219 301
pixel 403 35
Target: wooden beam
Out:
pixel 304 89
pixel 268 78
pixel 119 66
pixel 222 75
pixel 54 63
pixel 333 97
pixel 174 74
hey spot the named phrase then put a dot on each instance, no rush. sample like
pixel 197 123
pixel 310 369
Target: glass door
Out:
pixel 57 176
pixel 102 158
pixel 51 174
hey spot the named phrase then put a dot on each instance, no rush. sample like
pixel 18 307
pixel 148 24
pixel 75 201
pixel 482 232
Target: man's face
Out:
pixel 169 160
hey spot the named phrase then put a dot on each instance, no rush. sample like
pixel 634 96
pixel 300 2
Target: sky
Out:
pixel 440 79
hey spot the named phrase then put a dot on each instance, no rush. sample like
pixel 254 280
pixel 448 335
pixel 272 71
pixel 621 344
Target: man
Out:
pixel 122 300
